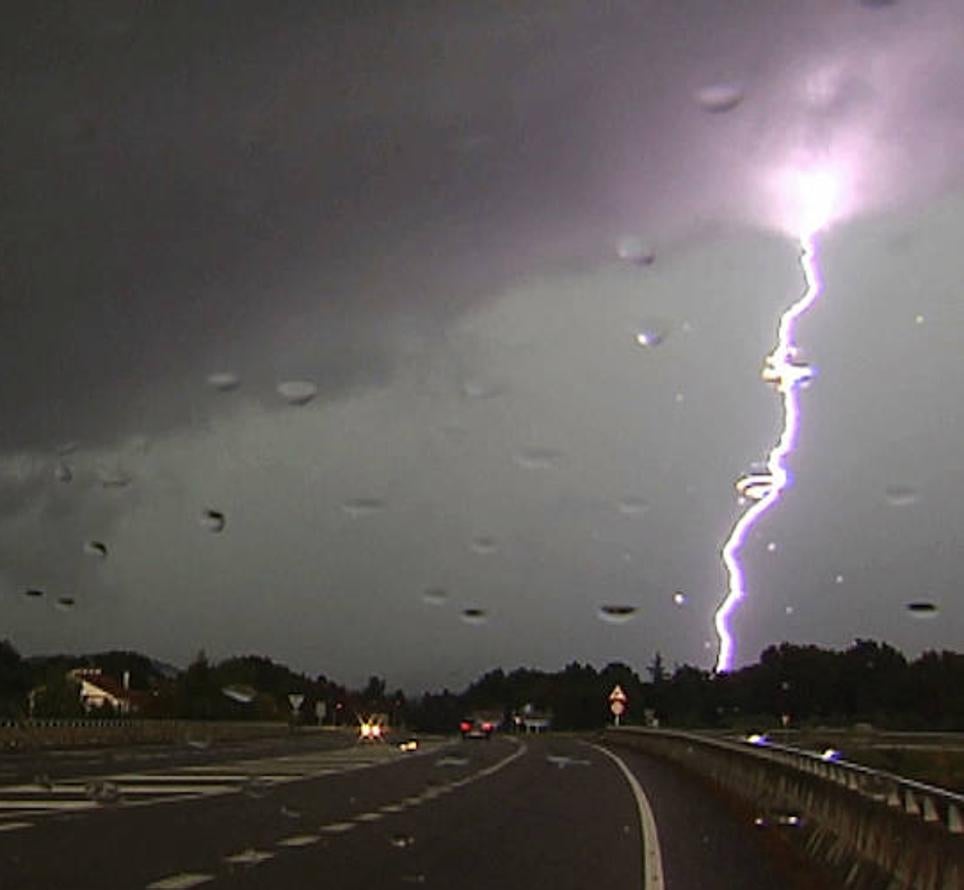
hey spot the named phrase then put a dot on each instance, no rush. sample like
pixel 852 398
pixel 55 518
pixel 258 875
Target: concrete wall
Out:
pixel 36 734
pixel 867 832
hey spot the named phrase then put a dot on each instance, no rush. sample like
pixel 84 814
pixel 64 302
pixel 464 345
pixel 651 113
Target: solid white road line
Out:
pixel 180 882
pixel 652 858
pixel 14 826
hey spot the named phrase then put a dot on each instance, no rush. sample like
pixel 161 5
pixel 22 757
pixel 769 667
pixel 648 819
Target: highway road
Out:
pixel 547 811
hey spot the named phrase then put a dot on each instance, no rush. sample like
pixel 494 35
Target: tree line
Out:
pixel 869 682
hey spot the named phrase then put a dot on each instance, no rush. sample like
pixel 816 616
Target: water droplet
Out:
pixel 474 616
pixel 113 477
pixel 719 97
pixel 538 458
pixel 922 609
pixel 483 389
pixel 617 614
pixel 900 495
pixel 242 694
pixel 651 333
pixel 401 841
pixel 213 521
pixel 103 792
pixel 224 381
pixel 633 506
pixel 484 545
pixel 297 392
pixel 918 319
pixel 255 787
pixel 679 398
pixel 708 644
pixel 435 596
pixel 839 579
pixel 66 603
pixel 772 547
pixel 63 473
pixel 679 598
pixel 33 593
pixel 633 250
pixel 360 507
pixel 97 549
pixel 788 610
pixel 755 486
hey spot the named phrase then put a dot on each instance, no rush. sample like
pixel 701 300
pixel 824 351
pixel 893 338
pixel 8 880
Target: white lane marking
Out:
pixel 75 805
pixel 369 817
pixel 299 840
pixel 338 827
pixel 412 801
pixel 249 857
pixel 180 882
pixel 392 808
pixel 14 826
pixel 652 858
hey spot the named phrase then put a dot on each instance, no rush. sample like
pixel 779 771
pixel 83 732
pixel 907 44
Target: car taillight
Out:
pixel 465 726
pixel 487 727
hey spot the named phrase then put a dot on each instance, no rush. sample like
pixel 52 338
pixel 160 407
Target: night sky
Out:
pixel 331 321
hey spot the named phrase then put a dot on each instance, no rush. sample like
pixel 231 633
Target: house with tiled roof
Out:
pixel 99 690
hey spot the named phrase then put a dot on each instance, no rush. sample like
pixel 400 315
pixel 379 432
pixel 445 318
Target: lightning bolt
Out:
pixel 763 490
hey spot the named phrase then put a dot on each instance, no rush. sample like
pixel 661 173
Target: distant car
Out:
pixel 475 728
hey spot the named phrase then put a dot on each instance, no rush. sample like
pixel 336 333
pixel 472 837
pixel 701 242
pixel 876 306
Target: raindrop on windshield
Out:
pixel 359 507
pixel 63 473
pixel 617 614
pixel 474 616
pixel 900 495
pixel 633 506
pixel 435 596
pixel 66 603
pixel 113 477
pixel 297 392
pixel 242 694
pixel 538 458
pixel 633 250
pixel 839 579
pixel 97 549
pixel 651 332
pixel 922 609
pixel 213 521
pixel 679 598
pixel 224 381
pixel 482 389
pixel 719 97
pixel 484 544
pixel 772 547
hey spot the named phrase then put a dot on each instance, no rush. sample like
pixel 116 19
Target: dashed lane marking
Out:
pixel 369 817
pixel 180 882
pixel 338 827
pixel 249 857
pixel 14 826
pixel 299 840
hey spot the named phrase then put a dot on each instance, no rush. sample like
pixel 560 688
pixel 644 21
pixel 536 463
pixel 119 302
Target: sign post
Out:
pixel 617 703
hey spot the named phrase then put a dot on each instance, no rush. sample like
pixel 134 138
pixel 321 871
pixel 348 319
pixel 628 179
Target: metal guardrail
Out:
pixel 936 807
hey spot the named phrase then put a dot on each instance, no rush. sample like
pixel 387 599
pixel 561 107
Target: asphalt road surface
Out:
pixel 538 812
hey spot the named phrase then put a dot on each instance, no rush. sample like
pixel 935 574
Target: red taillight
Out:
pixel 465 726
pixel 487 727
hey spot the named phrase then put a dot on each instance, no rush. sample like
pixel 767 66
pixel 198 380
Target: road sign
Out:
pixel 321 711
pixel 617 707
pixel 295 700
pixel 618 695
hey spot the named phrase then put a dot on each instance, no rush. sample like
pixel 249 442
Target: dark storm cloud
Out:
pixel 420 208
